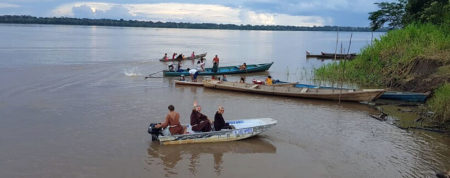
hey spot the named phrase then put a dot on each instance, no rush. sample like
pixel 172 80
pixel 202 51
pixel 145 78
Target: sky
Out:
pixel 253 12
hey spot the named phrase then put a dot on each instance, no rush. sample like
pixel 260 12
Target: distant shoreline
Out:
pixel 25 19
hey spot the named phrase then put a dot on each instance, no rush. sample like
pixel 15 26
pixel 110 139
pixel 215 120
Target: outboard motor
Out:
pixel 155 132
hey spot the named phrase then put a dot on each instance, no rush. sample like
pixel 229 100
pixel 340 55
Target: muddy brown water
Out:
pixel 76 105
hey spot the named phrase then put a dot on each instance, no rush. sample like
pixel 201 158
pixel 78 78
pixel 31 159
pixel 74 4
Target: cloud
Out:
pixel 183 12
pixel 8 5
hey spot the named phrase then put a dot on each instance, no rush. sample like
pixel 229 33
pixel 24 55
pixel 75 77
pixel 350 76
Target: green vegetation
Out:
pixel 415 57
pixel 440 104
pixel 397 59
pixel 22 19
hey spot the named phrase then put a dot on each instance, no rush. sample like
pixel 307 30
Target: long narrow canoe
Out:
pixel 187 58
pixel 318 93
pixel 331 55
pixel 225 70
pixel 243 129
pixel 389 95
pixel 405 96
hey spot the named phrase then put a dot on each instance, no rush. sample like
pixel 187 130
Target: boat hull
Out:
pixel 178 82
pixel 325 94
pixel 227 70
pixel 243 130
pixel 405 96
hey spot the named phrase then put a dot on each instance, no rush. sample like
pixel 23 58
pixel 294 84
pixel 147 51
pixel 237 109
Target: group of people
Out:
pixel 199 121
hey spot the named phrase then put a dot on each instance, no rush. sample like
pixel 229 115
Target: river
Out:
pixel 74 103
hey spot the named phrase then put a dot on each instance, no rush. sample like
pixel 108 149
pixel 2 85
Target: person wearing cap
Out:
pixel 219 122
pixel 173 122
pixel 199 121
pixel 269 80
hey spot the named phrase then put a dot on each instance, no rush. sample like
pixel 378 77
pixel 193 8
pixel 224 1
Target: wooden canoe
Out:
pixel 318 93
pixel 226 70
pixel 323 55
pixel 389 95
pixel 244 128
pixel 405 96
pixel 187 58
pixel 178 82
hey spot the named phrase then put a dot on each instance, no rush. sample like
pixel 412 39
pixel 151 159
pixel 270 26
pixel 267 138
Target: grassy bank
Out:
pixel 415 58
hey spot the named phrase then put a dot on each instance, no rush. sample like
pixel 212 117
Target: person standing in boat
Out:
pixel 173 56
pixel 193 55
pixel 202 63
pixel 215 64
pixel 180 57
pixel 199 121
pixel 269 80
pixel 173 122
pixel 219 122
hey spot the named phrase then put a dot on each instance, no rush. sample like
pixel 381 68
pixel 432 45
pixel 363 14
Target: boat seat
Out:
pixel 304 90
pixel 254 87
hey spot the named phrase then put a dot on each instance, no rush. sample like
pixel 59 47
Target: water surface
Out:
pixel 74 104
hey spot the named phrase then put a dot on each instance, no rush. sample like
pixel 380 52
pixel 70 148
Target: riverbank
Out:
pixel 416 58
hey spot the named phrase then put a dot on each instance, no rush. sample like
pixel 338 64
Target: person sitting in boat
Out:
pixel 173 122
pixel 165 57
pixel 199 121
pixel 243 66
pixel 219 122
pixel 269 80
pixel 182 77
pixel 194 74
pixel 215 64
pixel 224 78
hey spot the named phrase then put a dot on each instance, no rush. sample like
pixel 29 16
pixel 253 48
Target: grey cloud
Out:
pixel 116 12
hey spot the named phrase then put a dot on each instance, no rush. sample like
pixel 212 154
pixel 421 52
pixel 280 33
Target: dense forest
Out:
pixel 24 19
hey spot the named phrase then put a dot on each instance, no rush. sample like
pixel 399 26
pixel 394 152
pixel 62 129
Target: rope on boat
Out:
pixel 151 75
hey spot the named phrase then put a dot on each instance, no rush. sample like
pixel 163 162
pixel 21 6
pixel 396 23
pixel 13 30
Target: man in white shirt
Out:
pixel 194 74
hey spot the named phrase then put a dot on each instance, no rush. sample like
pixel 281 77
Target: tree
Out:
pixel 391 12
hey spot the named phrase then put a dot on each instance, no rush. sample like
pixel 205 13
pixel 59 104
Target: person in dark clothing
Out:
pixel 199 122
pixel 219 122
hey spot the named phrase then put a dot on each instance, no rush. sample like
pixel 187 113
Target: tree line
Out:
pixel 26 19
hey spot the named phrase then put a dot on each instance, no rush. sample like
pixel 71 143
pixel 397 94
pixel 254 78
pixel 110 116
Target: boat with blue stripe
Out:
pixel 226 70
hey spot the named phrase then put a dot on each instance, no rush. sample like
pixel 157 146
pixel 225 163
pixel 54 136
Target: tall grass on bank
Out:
pixel 440 104
pixel 391 57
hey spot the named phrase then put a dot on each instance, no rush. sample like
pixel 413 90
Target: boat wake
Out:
pixel 133 72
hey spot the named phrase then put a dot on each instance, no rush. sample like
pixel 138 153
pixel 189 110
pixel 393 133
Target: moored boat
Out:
pixel 389 95
pixel 244 128
pixel 316 93
pixel 405 96
pixel 179 82
pixel 187 58
pixel 323 55
pixel 226 70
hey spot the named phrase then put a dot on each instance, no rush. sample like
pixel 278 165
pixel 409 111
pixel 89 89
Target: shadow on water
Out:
pixel 170 155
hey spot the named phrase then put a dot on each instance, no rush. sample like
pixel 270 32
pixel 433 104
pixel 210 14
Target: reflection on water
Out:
pixel 170 155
